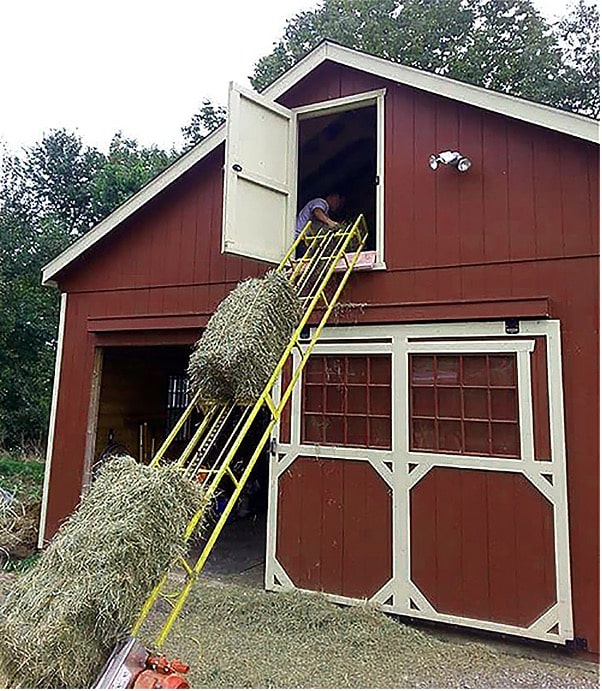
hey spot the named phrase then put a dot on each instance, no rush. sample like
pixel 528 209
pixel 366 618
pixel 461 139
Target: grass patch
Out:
pixel 22 476
pixel 22 565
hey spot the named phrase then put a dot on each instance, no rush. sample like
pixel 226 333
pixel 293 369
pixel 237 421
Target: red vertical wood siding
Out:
pixel 334 526
pixel 482 545
pixel 515 236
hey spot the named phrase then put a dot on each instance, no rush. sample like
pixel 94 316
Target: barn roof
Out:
pixel 573 125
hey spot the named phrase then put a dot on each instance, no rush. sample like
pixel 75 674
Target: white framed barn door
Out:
pixel 462 495
pixel 259 177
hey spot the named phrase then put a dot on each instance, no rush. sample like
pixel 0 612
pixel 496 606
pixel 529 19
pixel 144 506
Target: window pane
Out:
pixel 449 403
pixel 335 399
pixel 314 369
pixel 357 399
pixel 423 402
pixel 448 369
pixel 505 439
pixel 357 370
pixel 423 434
pixel 380 432
pixel 475 370
pixel 334 431
pixel 313 398
pixel 423 369
pixel 380 400
pixel 477 437
pixel 314 429
pixel 501 370
pixel 450 435
pixel 504 404
pixel 334 370
pixel 380 369
pixel 357 431
pixel 475 404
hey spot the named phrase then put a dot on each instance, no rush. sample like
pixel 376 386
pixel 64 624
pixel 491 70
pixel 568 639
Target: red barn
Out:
pixel 440 457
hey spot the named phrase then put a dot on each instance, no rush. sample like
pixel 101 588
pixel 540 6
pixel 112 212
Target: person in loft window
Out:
pixel 320 210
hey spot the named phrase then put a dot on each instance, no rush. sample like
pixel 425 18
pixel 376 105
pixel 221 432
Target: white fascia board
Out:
pixel 511 106
pixel 296 73
pixel 138 200
pixel 518 108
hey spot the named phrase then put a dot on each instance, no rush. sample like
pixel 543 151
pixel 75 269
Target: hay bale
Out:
pixel 62 618
pixel 244 340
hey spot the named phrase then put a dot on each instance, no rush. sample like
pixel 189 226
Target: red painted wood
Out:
pixel 337 537
pixel 332 534
pixel 285 420
pixel 489 550
pixel 541 410
pixel 475 589
pixel 140 338
pixel 311 493
pixel 514 237
pixel 290 515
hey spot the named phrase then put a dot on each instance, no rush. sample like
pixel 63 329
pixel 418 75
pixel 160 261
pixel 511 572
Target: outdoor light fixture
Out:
pixel 453 158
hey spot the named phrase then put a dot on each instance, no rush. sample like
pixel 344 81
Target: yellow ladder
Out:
pixel 211 453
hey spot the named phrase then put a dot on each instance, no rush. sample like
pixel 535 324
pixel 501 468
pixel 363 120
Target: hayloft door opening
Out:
pixel 340 149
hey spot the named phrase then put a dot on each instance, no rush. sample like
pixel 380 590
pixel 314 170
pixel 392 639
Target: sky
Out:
pixel 142 68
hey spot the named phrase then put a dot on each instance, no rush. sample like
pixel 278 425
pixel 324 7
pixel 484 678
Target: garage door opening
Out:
pixel 143 391
pixel 239 553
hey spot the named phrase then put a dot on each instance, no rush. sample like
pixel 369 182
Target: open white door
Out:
pixel 259 179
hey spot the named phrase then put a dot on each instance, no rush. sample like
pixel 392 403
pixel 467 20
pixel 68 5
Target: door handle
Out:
pixel 237 168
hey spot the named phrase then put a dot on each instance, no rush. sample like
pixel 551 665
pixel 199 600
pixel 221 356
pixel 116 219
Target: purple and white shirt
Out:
pixel 306 213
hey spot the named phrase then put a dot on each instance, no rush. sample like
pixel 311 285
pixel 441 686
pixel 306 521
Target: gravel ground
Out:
pixel 235 635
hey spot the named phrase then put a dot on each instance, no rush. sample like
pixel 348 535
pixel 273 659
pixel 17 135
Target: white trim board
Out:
pixel 511 106
pixel 52 424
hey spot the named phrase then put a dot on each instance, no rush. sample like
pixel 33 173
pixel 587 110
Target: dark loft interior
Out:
pixel 338 151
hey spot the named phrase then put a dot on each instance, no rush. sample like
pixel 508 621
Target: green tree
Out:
pixel 208 118
pixel 504 45
pixel 50 194
pixel 578 35
pixel 127 167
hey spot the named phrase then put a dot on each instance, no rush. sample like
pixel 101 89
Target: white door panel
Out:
pixel 259 203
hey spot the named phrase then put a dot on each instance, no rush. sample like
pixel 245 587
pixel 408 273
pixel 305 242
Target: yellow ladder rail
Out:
pixel 327 248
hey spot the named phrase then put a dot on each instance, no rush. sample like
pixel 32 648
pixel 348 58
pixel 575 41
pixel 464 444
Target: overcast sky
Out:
pixel 97 67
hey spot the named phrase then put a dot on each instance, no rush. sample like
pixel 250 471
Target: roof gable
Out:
pixel 544 116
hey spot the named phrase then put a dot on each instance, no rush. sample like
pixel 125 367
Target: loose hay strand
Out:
pixel 63 617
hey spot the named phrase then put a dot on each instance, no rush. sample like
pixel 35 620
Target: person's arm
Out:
pixel 323 217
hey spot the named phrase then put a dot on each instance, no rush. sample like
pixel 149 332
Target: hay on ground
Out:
pixel 61 619
pixel 236 636
pixel 19 522
pixel 244 340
